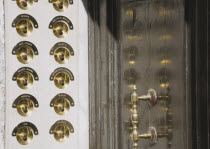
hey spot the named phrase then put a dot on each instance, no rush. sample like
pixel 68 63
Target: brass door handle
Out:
pixel 150 96
pixel 152 133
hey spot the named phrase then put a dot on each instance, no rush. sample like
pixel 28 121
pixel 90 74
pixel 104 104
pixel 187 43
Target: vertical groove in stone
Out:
pixel 2 76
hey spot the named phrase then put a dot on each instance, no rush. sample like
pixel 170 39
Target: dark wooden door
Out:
pixel 149 44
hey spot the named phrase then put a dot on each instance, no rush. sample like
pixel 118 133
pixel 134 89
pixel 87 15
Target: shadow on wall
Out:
pixel 108 8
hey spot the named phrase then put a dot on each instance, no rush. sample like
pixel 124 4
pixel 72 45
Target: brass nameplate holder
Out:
pixel 61 130
pixel 25 132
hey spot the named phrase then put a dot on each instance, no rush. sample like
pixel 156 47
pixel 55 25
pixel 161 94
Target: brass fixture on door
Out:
pixel 25 51
pixel 62 52
pixel 25 104
pixel 25 4
pixel 25 77
pixel 62 77
pixel 24 25
pixel 61 26
pixel 152 133
pixel 25 132
pixel 61 5
pixel 62 103
pixel 61 130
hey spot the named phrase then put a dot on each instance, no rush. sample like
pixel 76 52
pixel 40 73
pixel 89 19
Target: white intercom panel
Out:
pixel 46 44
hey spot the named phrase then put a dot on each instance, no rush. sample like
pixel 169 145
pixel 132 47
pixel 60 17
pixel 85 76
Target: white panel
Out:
pixel 44 64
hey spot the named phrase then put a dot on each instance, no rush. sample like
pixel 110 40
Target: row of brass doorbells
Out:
pixel 25 23
pixel 25 132
pixel 25 52
pixel 25 77
pixel 59 5
pixel 26 103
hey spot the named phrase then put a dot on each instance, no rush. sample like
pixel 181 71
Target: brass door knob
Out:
pixel 25 51
pixel 25 77
pixel 61 5
pixel 25 4
pixel 151 96
pixel 25 132
pixel 62 77
pixel 61 26
pixel 24 25
pixel 61 130
pixel 62 103
pixel 25 104
pixel 62 52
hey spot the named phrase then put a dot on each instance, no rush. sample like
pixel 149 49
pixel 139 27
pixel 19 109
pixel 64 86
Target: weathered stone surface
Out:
pixel 2 76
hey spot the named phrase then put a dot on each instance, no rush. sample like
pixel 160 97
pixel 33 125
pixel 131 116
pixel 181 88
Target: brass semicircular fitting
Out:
pixel 25 77
pixel 61 130
pixel 62 52
pixel 25 132
pixel 24 25
pixel 62 77
pixel 62 103
pixel 61 5
pixel 25 4
pixel 25 52
pixel 61 26
pixel 25 104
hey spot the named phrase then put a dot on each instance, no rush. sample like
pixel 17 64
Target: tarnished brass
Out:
pixel 131 77
pixel 25 55
pixel 25 80
pixel 61 5
pixel 62 77
pixel 61 26
pixel 25 104
pixel 25 77
pixel 24 135
pixel 61 130
pixel 62 55
pixel 135 136
pixel 131 54
pixel 62 103
pixel 25 4
pixel 151 96
pixel 25 52
pixel 25 132
pixel 62 80
pixel 62 52
pixel 60 29
pixel 151 135
pixel 24 25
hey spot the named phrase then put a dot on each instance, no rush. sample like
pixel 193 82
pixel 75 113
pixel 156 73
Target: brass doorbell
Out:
pixel 62 52
pixel 25 132
pixel 62 77
pixel 25 77
pixel 25 104
pixel 61 26
pixel 62 103
pixel 24 24
pixel 25 4
pixel 25 51
pixel 61 5
pixel 61 130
